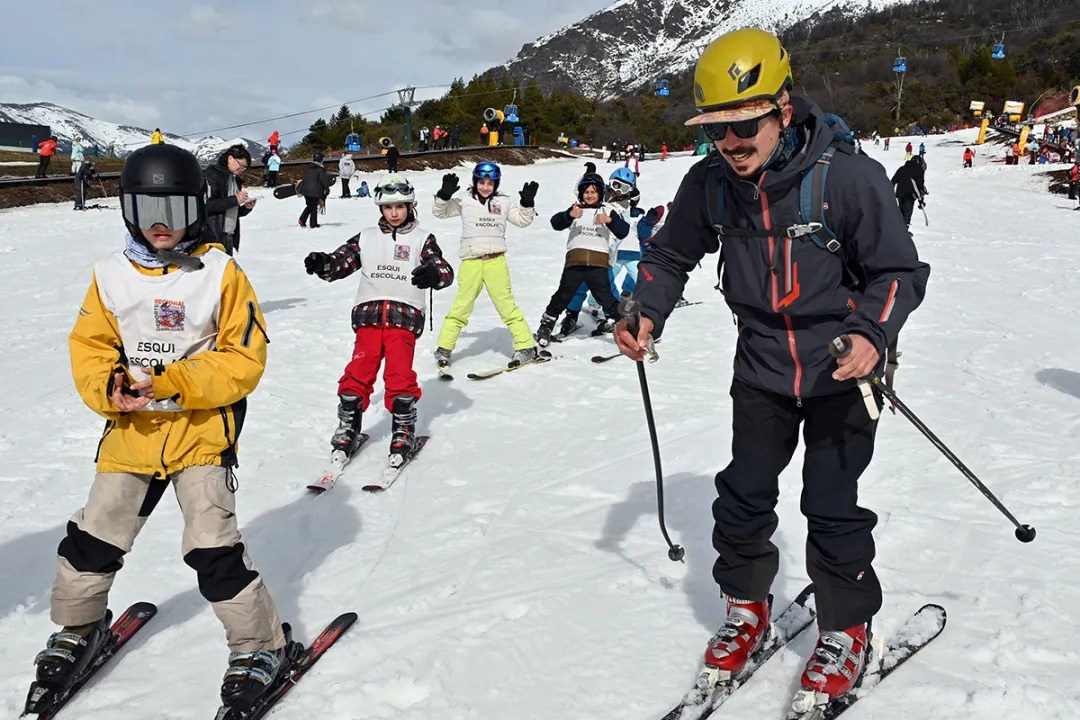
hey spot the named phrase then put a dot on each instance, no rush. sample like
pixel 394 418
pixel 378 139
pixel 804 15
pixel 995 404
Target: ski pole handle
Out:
pixel 841 347
pixel 630 309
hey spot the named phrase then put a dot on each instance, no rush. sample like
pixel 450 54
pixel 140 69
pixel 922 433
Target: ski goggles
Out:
pixel 487 171
pixel 173 211
pixel 395 189
pixel 621 186
pixel 743 129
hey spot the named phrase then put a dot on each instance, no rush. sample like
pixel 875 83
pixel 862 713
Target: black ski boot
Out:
pixel 569 323
pixel 442 358
pixel 66 656
pixel 403 435
pixel 543 333
pixel 249 676
pixel 347 436
pixel 604 327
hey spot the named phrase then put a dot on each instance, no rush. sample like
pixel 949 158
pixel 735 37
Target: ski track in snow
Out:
pixel 516 568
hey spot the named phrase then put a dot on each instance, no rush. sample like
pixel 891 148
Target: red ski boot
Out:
pixel 744 631
pixel 835 667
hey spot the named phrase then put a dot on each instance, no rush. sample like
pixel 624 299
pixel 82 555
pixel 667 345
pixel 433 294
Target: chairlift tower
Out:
pixel 406 102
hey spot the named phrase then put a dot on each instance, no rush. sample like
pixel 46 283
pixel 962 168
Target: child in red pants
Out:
pixel 397 261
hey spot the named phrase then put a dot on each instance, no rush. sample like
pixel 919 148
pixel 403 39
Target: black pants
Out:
pixel 596 278
pixel 80 195
pixel 839 438
pixel 344 188
pixel 43 165
pixel 907 207
pixel 391 165
pixel 311 210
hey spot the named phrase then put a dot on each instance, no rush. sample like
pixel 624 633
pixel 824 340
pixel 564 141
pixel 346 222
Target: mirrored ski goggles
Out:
pixel 487 171
pixel 395 189
pixel 744 129
pixel 173 211
pixel 621 186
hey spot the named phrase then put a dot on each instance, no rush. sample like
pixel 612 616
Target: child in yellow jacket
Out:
pixel 167 345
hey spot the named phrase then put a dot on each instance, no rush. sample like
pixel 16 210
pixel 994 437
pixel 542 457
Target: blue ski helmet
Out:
pixel 624 174
pixel 489 170
pixel 590 179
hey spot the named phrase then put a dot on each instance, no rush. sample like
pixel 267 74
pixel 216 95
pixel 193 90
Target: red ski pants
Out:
pixel 373 345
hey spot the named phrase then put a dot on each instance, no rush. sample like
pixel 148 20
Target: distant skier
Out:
pixel 82 183
pixel 397 261
pixel 46 149
pixel 908 183
pixel 392 159
pixel 274 141
pixel 363 191
pixel 157 138
pixel 273 165
pixel 969 157
pixel 78 153
pixel 346 169
pixel 314 186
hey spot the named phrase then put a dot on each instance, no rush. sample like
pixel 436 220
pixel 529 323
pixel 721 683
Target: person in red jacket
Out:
pixel 1074 179
pixel 46 148
pixel 274 140
pixel 663 152
pixel 969 157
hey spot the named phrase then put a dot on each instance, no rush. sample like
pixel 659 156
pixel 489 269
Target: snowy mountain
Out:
pixel 632 43
pixel 67 123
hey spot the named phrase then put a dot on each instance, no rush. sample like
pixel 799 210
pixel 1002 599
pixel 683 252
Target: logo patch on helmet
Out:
pixel 159 178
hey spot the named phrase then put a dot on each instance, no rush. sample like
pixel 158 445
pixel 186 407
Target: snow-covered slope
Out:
pixel 67 123
pixel 516 569
pixel 631 43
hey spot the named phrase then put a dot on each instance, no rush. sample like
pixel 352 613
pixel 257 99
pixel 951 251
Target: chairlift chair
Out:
pixel 899 64
pixel 662 89
pixel 353 143
pixel 998 53
pixel 511 113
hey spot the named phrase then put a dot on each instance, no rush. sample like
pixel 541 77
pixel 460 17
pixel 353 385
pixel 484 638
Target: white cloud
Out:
pixel 206 20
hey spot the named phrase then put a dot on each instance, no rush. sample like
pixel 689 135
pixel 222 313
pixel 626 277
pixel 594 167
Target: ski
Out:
pixel 492 373
pixel 915 634
pixel 338 460
pixel 710 692
pixel 445 374
pixel 390 474
pixel 300 667
pixel 132 620
pixel 605 358
pixel 685 303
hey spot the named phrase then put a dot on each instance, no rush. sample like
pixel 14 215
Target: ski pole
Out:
pixel 631 310
pixel 840 347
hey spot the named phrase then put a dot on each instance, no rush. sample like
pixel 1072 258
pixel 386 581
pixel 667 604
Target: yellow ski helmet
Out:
pixel 739 76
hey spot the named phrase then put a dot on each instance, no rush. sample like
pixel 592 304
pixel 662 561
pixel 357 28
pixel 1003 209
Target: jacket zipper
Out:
pixel 766 219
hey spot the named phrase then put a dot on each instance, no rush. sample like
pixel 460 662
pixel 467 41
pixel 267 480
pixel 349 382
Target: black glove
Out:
pixel 317 263
pixel 528 194
pixel 449 186
pixel 425 276
pixel 652 216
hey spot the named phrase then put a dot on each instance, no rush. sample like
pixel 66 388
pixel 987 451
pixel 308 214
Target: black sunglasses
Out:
pixel 744 129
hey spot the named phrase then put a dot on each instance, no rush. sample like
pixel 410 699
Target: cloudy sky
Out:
pixel 192 67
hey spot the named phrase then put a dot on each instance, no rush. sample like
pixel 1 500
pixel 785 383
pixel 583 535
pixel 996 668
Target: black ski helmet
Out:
pixel 163 171
pixel 591 179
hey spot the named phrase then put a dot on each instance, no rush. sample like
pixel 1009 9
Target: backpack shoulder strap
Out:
pixel 714 197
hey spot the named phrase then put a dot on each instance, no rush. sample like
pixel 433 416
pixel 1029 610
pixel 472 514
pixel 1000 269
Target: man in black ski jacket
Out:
pixel 87 171
pixel 792 298
pixel 228 200
pixel 315 187
pixel 909 183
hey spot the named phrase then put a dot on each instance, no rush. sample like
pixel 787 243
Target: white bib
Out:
pixel 587 234
pixel 162 318
pixel 386 264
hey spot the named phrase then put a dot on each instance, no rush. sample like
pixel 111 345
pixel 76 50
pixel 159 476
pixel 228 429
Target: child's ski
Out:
pixel 391 474
pixel 45 703
pixel 338 460
pixel 284 683
pixel 500 371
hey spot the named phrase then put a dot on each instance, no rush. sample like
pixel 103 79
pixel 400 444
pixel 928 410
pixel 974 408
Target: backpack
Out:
pixel 811 199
